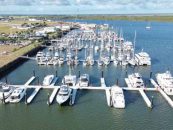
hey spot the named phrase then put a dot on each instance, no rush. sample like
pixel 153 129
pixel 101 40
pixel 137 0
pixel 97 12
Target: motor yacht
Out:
pixel 63 95
pixel 100 62
pixel 135 80
pixel 106 60
pixel 69 80
pixel 143 58
pixel 39 55
pixel 165 81
pixel 5 90
pixel 61 60
pixel 48 80
pixel 84 80
pixel 85 63
pixel 118 100
pixel 16 95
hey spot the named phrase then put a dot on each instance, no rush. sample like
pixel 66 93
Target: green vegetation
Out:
pixel 163 18
pixel 17 52
pixel 130 18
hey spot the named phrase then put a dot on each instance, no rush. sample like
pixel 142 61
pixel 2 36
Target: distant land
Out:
pixel 130 17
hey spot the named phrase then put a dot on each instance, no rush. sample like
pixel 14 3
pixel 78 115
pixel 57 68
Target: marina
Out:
pixel 95 96
pixel 102 87
pixel 111 47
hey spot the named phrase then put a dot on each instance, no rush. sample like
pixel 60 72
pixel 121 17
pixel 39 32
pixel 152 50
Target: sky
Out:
pixel 85 6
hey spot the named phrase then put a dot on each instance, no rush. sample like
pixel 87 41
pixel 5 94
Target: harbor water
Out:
pixel 90 111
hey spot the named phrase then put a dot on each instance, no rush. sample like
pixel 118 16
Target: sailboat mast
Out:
pixel 134 44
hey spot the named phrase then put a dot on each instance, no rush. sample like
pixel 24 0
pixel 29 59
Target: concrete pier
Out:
pixel 146 99
pixel 32 96
pixel 108 97
pixel 74 92
pixel 30 81
pixel 167 98
pixel 54 81
pixel 53 95
pixel 103 84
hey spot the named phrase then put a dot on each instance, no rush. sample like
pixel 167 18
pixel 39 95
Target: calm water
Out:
pixel 91 110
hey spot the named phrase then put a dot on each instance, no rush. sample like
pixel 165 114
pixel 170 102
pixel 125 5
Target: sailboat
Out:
pixel 148 27
pixel 132 60
pixel 85 61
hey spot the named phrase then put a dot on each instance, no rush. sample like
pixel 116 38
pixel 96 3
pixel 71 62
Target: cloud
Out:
pixel 34 2
pixel 83 2
pixel 87 6
pixel 131 4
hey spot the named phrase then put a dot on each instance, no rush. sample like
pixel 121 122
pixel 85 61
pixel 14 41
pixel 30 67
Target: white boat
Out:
pixel 63 95
pixel 106 60
pixel 85 63
pixel 48 56
pixel 91 62
pixel 69 80
pixel 39 55
pixel 70 62
pixel 148 27
pixel 165 81
pixel 84 80
pixel 124 63
pixel 5 90
pixel 96 48
pixel 135 81
pixel 143 58
pixel 76 61
pixel 56 56
pixel 118 100
pixel 115 62
pixel 48 80
pixel 132 62
pixel 100 62
pixel 16 95
pixel 61 60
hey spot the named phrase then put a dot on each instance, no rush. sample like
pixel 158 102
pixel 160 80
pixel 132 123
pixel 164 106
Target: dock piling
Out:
pixel 126 72
pixel 6 80
pixel 38 81
pixel 152 98
pixel 34 73
pixel 48 99
pixel 79 73
pixel 102 74
pixel 3 98
pixel 117 82
pixel 151 74
pixel 56 73
pixel 26 98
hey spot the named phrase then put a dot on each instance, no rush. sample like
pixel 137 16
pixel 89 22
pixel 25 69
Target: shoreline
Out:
pixel 106 17
pixel 4 70
pixel 13 64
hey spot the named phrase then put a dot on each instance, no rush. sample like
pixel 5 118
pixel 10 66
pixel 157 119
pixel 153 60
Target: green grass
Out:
pixel 130 18
pixel 17 53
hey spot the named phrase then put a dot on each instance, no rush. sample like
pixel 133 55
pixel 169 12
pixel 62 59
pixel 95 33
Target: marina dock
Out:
pixel 53 95
pixel 30 81
pixel 141 91
pixel 108 97
pixel 107 91
pixel 54 81
pixel 103 87
pixel 167 98
pixel 32 96
pixel 146 99
pixel 73 96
